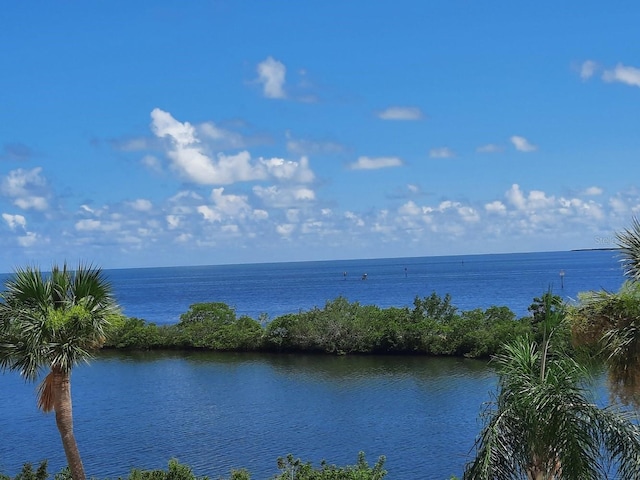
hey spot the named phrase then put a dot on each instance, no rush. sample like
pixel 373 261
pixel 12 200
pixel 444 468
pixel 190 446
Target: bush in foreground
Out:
pixel 290 468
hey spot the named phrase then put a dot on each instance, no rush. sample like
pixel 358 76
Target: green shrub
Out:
pixel 295 469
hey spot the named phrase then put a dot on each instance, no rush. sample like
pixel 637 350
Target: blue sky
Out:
pixel 208 132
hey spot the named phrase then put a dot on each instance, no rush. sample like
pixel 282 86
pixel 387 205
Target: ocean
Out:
pixel 161 295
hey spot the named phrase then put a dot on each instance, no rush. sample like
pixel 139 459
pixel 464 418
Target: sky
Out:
pixel 162 133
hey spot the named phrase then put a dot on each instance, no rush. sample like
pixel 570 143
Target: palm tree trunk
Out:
pixel 64 421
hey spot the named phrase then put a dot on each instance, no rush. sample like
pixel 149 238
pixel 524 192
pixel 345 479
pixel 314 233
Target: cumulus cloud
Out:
pixel 27 189
pixel 623 74
pixel 281 169
pixel 191 159
pixel 522 144
pixel 271 73
pixel 14 221
pixel 441 152
pixel 535 199
pixel 496 207
pixel 368 163
pixel 401 113
pixel 230 205
pixel 173 221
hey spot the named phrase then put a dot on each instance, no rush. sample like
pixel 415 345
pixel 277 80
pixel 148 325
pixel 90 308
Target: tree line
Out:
pixel 432 326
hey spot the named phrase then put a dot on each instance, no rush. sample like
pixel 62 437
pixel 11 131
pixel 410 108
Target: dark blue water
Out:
pixel 222 411
pixel 161 295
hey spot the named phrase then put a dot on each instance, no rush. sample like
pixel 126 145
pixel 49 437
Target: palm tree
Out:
pixel 610 321
pixel 543 426
pixel 54 322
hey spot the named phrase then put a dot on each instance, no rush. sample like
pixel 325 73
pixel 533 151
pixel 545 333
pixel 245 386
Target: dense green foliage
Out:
pixel 544 423
pixel 289 468
pixel 434 326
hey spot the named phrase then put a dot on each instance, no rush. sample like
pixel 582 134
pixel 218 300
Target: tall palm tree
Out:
pixel 54 321
pixel 543 425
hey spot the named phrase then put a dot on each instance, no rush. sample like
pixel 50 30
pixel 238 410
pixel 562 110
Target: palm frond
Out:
pixel 46 400
pixel 629 244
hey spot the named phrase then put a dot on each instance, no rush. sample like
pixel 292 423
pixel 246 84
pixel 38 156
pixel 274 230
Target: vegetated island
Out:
pixel 433 326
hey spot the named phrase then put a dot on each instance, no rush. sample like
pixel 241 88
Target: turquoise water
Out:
pixel 222 411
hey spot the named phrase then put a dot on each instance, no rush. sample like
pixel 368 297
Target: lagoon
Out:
pixel 221 411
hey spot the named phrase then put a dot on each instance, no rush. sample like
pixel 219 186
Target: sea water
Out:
pixel 218 411
pixel 161 295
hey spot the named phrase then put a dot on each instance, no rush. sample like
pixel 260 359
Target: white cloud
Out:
pixel 33 202
pixel 368 163
pixel 191 159
pixel 26 188
pixel 354 219
pixel 288 170
pixel 173 221
pixel 209 214
pixel 588 69
pixel 259 214
pixel 278 197
pixel 496 207
pixel 401 113
pixel 193 163
pixel 410 208
pixel 14 221
pixel 442 152
pixel 522 144
pixel 285 229
pixel 623 74
pixel 271 73
pixel 490 148
pixel 515 197
pixel 230 205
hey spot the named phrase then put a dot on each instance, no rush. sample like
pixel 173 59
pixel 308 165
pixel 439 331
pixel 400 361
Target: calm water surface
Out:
pixel 161 295
pixel 217 412
pixel 222 411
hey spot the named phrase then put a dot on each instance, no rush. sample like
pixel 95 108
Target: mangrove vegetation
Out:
pixel 432 326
